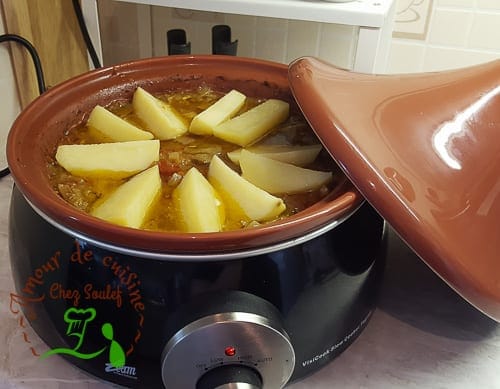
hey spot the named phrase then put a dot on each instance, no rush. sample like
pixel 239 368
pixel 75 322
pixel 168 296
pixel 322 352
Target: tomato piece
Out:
pixel 167 168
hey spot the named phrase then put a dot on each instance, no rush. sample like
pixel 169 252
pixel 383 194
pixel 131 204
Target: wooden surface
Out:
pixel 52 27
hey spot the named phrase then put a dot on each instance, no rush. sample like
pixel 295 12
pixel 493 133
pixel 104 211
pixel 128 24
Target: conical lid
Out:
pixel 424 150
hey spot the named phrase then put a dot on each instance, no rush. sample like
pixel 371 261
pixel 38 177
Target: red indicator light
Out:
pixel 230 351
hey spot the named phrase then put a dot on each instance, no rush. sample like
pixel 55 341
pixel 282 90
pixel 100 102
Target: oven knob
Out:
pixel 230 377
pixel 229 350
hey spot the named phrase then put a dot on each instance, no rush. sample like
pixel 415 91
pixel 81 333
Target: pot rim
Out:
pixel 201 256
pixel 31 129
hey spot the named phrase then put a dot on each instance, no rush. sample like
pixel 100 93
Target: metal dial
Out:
pixel 232 339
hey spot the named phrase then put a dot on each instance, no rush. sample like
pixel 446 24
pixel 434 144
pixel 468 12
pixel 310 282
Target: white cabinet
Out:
pixel 373 17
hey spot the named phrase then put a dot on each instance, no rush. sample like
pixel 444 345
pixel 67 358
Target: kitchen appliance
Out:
pixel 261 307
pixel 250 309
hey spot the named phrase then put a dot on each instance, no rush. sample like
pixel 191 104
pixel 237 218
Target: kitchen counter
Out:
pixel 422 335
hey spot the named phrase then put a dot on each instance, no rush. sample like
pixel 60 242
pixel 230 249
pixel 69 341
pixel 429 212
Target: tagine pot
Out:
pixel 260 307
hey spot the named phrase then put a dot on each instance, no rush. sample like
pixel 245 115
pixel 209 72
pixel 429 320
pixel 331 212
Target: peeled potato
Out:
pixel 223 109
pixel 198 205
pixel 113 160
pixel 296 155
pixel 253 124
pixel 114 127
pixel 130 203
pixel 241 196
pixel 159 117
pixel 278 177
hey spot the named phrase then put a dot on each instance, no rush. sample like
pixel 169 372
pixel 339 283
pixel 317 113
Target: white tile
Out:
pixel 270 42
pixel 302 39
pixel 443 58
pixel 119 31
pixel 115 53
pixel 406 57
pixel 271 23
pixel 450 27
pixel 161 22
pixel 118 21
pixel 485 31
pixel 456 3
pixel 197 24
pixel 243 29
pixel 411 18
pixel 144 31
pixel 201 38
pixel 337 44
pixel 488 5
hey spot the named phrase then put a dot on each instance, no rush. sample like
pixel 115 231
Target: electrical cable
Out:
pixel 36 59
pixel 85 34
pixel 34 56
pixel 38 70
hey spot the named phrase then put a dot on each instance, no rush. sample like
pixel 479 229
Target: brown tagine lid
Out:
pixel 424 150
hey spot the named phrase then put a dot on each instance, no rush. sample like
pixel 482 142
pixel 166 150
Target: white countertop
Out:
pixel 422 335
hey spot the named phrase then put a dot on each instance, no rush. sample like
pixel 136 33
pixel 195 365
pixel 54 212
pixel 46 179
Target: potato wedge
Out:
pixel 253 124
pixel 114 127
pixel 113 160
pixel 242 197
pixel 223 109
pixel 130 203
pixel 199 207
pixel 296 155
pixel 278 177
pixel 159 117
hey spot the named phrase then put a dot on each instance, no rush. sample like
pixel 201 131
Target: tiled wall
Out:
pixel 428 34
pixel 278 40
pixel 443 34
pixel 268 38
pixel 119 30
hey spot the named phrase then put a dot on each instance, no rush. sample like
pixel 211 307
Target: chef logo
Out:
pixel 77 320
pixel 90 333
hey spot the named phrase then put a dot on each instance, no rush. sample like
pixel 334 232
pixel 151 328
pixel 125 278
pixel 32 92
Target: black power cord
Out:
pixel 36 59
pixel 38 69
pixel 85 34
pixel 34 56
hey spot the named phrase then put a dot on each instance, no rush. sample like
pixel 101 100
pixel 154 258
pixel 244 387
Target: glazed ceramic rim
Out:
pixel 28 147
pixel 203 256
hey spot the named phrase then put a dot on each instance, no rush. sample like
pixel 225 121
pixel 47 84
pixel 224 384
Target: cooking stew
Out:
pixel 196 161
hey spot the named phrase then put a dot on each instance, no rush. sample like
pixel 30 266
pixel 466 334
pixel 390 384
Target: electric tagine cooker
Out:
pixel 260 307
